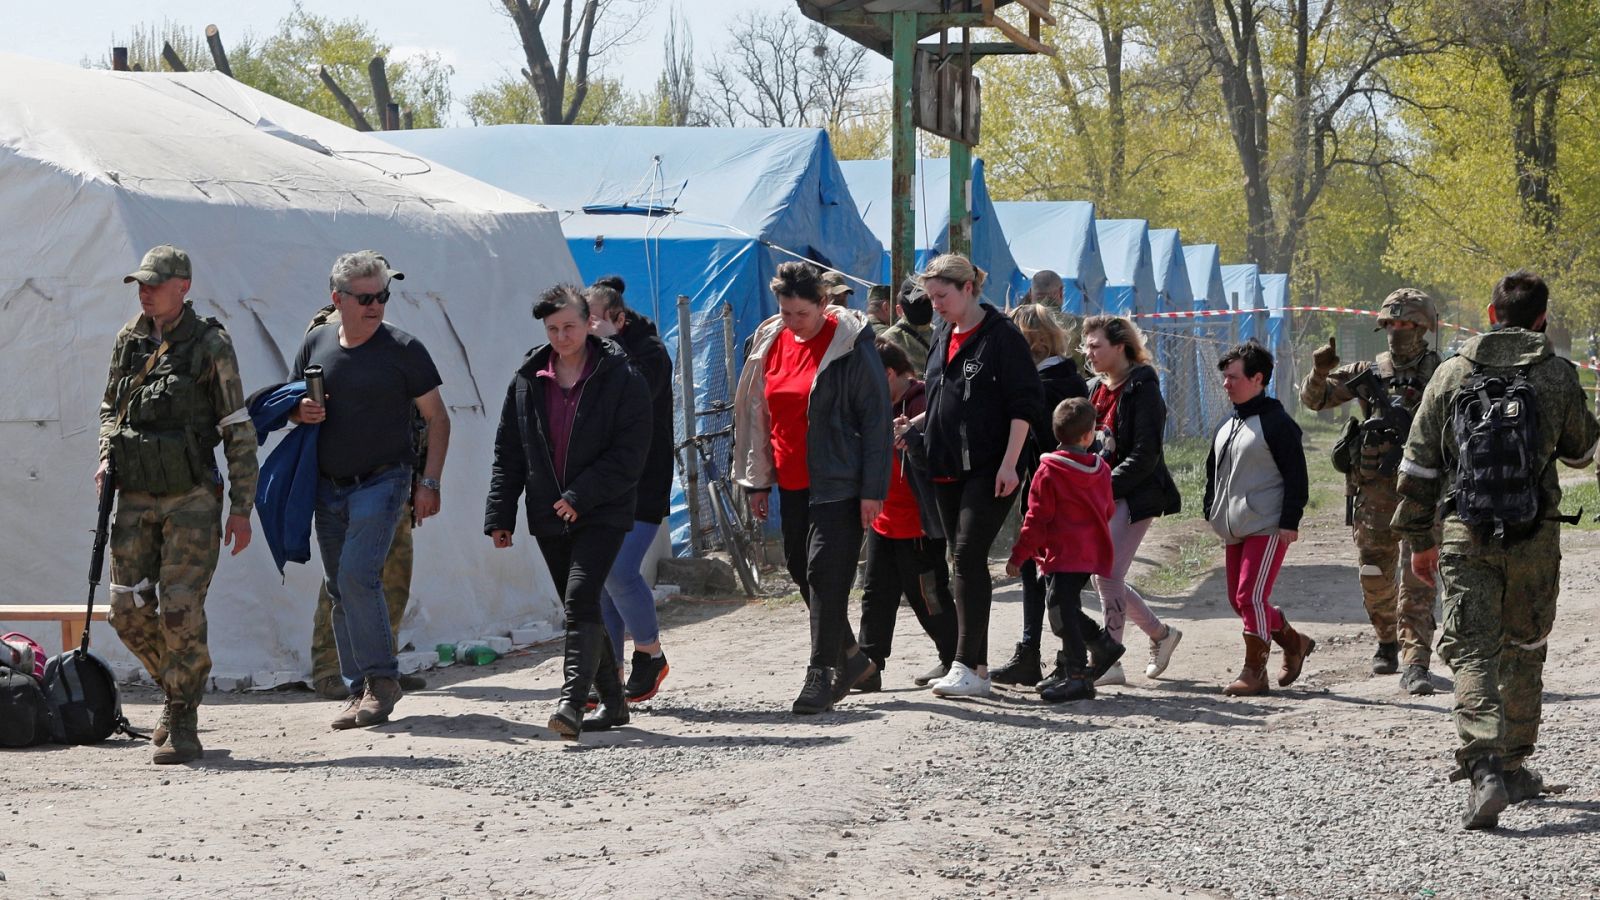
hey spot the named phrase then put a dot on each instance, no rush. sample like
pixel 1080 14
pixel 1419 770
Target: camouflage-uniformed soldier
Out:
pixel 835 288
pixel 1403 617
pixel 174 393
pixel 880 307
pixel 913 331
pixel 397 566
pixel 1499 596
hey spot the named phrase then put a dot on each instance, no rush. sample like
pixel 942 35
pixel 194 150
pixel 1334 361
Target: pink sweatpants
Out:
pixel 1253 566
pixel 1118 600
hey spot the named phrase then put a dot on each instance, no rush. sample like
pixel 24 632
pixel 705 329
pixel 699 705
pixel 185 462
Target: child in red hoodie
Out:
pixel 1067 531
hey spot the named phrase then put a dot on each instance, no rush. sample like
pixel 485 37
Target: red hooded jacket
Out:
pixel 1068 525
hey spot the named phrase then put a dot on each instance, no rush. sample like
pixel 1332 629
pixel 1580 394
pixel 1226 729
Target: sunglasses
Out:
pixel 380 297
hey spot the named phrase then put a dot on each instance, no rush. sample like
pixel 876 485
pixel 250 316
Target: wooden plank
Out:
pixel 1040 8
pixel 219 56
pixel 1016 36
pixel 174 62
pixel 44 612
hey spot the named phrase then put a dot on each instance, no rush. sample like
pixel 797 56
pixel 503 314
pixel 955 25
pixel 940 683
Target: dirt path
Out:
pixel 1334 788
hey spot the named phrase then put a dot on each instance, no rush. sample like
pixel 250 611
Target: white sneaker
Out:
pixel 1161 652
pixel 961 682
pixel 1113 675
pixel 937 673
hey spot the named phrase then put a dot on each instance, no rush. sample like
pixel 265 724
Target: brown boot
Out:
pixel 378 701
pixel 164 726
pixel 183 732
pixel 1296 647
pixel 1252 678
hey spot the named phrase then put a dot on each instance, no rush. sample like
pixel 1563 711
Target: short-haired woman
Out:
pixel 983 396
pixel 1256 490
pixel 811 415
pixel 1047 343
pixel 1132 418
pixel 569 441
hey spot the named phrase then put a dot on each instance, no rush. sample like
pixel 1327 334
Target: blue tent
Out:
pixel 1213 334
pixel 1242 283
pixel 706 213
pixel 1173 342
pixel 1275 295
pixel 869 183
pixel 1058 235
pixel 1130 280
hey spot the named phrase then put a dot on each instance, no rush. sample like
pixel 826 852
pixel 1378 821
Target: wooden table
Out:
pixel 70 615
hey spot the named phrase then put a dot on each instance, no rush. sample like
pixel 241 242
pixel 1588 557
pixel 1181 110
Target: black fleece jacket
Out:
pixel 973 398
pixel 1140 476
pixel 605 453
pixel 648 354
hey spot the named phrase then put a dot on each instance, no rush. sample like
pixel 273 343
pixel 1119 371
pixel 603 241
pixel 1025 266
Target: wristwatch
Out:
pixel 431 484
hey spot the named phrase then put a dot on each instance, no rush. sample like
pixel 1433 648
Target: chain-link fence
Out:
pixel 706 339
pixel 1186 356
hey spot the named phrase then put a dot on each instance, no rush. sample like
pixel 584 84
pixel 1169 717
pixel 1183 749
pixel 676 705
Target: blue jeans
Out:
pixel 627 602
pixel 355 526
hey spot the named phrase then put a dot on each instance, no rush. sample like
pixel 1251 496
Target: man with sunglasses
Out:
pixel 374 375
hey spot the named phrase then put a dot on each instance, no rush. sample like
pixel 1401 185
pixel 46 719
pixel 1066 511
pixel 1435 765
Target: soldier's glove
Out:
pixel 1326 359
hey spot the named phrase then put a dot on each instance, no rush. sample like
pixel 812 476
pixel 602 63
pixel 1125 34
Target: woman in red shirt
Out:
pixel 811 415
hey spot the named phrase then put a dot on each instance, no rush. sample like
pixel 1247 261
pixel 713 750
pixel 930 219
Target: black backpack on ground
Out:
pixel 1498 471
pixel 83 696
pixel 25 718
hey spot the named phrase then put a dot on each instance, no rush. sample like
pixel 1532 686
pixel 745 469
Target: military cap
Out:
pixel 833 284
pixel 160 264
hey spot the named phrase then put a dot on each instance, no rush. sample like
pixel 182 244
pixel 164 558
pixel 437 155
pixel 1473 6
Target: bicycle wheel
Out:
pixel 736 540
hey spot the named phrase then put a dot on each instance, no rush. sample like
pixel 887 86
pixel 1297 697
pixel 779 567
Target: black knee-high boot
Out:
pixel 613 709
pixel 584 641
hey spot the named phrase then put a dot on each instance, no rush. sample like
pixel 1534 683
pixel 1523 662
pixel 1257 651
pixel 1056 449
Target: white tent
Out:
pixel 95 167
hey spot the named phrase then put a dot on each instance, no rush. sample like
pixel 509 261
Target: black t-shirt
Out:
pixel 371 391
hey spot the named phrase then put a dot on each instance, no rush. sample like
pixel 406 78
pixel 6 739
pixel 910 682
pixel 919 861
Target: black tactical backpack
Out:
pixel 83 696
pixel 24 712
pixel 1498 468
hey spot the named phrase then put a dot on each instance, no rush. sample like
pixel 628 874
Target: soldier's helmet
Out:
pixel 1409 305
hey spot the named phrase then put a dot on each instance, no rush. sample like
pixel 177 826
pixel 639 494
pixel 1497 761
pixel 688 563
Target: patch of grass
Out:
pixel 1196 556
pixel 1186 460
pixel 1585 494
pixel 779 601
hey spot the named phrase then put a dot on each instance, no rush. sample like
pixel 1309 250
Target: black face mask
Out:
pixel 917 313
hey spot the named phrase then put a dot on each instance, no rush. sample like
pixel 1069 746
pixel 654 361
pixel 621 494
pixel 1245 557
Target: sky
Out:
pixel 474 36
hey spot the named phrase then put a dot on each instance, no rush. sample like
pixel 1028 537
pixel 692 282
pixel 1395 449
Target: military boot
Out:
pixel 1386 661
pixel 1296 647
pixel 1415 681
pixel 1252 678
pixel 1488 796
pixel 163 725
pixel 1523 784
pixel 183 737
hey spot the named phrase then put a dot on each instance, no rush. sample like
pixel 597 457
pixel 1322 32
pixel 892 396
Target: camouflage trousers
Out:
pixel 1499 608
pixel 1399 604
pixel 396 595
pixel 163 552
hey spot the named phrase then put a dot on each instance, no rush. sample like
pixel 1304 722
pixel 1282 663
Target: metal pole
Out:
pixel 903 150
pixel 730 353
pixel 960 184
pixel 691 459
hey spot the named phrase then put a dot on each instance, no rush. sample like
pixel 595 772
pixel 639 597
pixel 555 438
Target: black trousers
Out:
pixel 1033 590
pixel 972 517
pixel 579 562
pixel 1067 619
pixel 913 568
pixel 821 544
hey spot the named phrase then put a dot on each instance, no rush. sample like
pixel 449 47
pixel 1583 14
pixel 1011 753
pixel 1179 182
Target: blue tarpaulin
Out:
pixel 1275 295
pixel 708 213
pixel 1173 339
pixel 1058 235
pixel 1130 280
pixel 1242 283
pixel 1213 334
pixel 869 182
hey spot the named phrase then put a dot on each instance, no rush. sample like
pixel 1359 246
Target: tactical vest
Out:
pixel 167 441
pixel 1378 456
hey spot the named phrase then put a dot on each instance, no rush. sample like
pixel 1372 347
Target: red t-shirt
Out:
pixel 791 371
pixel 901 517
pixel 956 340
pixel 1105 414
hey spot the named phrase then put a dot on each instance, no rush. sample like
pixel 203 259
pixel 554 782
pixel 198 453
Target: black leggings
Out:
pixel 914 568
pixel 1067 620
pixel 579 562
pixel 821 543
pixel 972 517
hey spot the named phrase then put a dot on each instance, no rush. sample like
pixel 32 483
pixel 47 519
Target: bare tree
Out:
pixel 1326 74
pixel 676 86
pixel 560 80
pixel 778 72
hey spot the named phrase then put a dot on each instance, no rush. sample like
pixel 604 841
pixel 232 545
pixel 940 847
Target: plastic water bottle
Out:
pixel 480 656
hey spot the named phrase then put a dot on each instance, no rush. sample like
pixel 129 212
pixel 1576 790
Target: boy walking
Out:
pixel 1067 532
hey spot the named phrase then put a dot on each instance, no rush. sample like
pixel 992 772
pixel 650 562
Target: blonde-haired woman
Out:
pixel 1131 420
pixel 983 396
pixel 1059 375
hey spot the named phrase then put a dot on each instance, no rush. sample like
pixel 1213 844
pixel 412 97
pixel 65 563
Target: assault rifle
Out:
pixel 102 532
pixel 1388 421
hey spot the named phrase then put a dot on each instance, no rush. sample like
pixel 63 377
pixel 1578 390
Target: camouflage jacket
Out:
pixel 1567 431
pixel 218 369
pixel 1407 382
pixel 913 340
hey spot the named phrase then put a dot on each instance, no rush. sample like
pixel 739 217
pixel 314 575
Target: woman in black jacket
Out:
pixel 1060 377
pixel 811 415
pixel 983 394
pixel 1132 418
pixel 569 440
